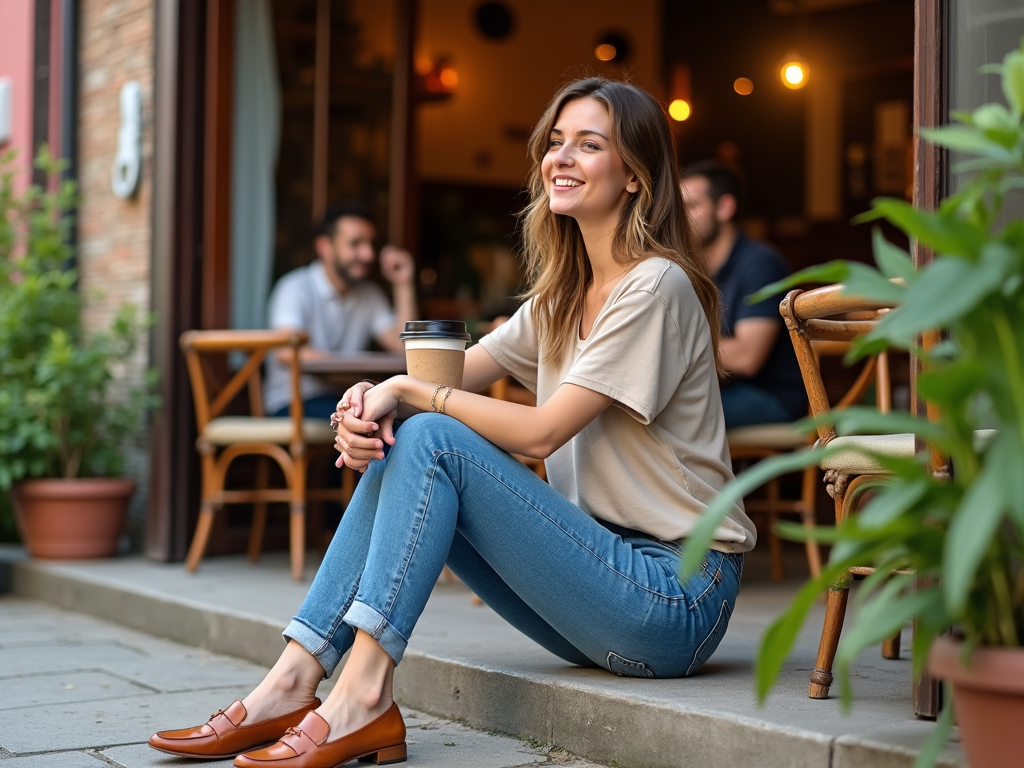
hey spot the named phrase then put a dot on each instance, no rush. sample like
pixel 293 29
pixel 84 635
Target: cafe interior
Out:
pixel 811 99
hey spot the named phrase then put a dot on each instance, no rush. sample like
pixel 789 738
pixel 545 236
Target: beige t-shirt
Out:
pixel 655 461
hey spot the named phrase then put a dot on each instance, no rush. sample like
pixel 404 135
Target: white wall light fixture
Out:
pixel 5 110
pixel 128 161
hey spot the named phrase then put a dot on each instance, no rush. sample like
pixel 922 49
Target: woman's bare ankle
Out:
pixel 364 690
pixel 290 685
pixel 346 714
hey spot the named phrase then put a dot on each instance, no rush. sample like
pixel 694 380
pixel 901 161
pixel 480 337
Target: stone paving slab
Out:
pixel 40 658
pixel 64 688
pixel 67 760
pixel 103 689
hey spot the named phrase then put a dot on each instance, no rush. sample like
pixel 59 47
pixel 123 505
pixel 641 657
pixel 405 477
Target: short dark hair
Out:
pixel 722 180
pixel 339 210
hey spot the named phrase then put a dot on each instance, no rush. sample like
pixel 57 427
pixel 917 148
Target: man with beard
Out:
pixel 334 301
pixel 764 385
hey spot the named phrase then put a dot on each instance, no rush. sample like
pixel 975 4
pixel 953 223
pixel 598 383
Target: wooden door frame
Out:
pixel 931 166
pixel 175 270
pixel 191 248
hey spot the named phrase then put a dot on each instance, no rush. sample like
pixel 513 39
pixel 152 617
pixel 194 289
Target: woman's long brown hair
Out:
pixel 653 221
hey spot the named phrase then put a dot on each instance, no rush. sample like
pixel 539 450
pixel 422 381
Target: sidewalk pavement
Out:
pixel 78 692
pixel 464 663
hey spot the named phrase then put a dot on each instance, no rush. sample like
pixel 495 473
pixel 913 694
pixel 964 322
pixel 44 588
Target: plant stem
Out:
pixel 1007 630
pixel 1013 368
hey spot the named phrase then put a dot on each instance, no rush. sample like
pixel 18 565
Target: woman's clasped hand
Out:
pixel 364 423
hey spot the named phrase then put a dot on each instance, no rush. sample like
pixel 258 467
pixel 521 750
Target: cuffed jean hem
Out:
pixel 361 616
pixel 318 647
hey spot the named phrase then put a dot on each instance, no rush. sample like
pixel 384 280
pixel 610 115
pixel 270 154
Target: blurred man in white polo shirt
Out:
pixel 334 301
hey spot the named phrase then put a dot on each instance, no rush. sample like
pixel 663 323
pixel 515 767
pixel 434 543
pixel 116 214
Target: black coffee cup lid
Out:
pixel 435 329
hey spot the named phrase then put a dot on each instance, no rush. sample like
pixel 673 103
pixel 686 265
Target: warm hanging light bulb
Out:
pixel 794 71
pixel 680 107
pixel 679 110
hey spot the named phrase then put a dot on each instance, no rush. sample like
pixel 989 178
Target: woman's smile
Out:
pixel 566 183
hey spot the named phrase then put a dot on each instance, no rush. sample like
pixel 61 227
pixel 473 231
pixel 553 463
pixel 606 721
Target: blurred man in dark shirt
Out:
pixel 764 385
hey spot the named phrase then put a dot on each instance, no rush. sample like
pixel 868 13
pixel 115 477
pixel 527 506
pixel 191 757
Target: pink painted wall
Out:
pixel 16 19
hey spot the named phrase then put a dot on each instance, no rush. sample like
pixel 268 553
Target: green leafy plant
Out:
pixel 948 551
pixel 62 412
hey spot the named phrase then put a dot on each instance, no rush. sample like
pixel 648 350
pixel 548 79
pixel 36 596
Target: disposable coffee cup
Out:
pixel 435 350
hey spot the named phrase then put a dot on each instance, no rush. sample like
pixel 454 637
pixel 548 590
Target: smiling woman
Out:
pixel 619 134
pixel 618 342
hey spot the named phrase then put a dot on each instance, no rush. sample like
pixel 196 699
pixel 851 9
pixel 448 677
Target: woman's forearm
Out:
pixel 528 430
pixel 512 427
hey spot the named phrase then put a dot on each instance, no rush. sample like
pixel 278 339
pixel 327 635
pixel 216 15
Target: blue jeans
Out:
pixel 746 405
pixel 594 594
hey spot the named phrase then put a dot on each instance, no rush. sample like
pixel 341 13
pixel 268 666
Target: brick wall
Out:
pixel 114 235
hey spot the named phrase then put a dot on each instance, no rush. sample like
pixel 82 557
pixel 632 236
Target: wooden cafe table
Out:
pixel 350 368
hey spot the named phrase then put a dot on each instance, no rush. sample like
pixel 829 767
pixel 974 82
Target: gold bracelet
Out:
pixel 433 397
pixel 445 399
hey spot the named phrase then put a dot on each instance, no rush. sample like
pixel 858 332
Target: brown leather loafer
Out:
pixel 306 746
pixel 224 734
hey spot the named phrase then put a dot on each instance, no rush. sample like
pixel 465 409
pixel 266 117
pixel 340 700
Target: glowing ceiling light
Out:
pixel 605 52
pixel 449 78
pixel 679 110
pixel 794 71
pixel 744 86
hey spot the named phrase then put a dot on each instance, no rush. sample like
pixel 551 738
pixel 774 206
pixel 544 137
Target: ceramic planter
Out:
pixel 989 700
pixel 71 519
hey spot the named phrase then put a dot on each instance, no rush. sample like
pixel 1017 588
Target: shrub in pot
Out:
pixel 64 417
pixel 948 551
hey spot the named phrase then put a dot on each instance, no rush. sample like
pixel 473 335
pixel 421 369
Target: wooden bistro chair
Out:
pixel 222 439
pixel 821 318
pixel 762 441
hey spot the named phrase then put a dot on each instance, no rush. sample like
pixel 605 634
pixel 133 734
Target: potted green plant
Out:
pixel 948 551
pixel 64 417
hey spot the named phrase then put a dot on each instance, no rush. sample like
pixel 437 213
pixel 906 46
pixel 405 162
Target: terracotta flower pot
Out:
pixel 989 700
pixel 71 519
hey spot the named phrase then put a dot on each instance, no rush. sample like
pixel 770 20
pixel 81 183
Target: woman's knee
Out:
pixel 430 429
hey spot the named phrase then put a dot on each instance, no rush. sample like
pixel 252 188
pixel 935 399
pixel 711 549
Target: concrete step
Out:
pixel 466 664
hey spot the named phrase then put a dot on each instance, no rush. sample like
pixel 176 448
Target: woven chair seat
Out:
pixel 780 437
pixel 231 430
pixel 849 460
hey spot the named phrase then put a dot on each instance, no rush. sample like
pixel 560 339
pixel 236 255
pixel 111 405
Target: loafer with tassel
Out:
pixel 306 745
pixel 225 734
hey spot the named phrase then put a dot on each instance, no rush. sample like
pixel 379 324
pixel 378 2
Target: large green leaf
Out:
pixel 967 139
pixel 893 261
pixel 869 283
pixel 947 289
pixel 825 534
pixel 952 383
pixel 891 502
pixel 998 125
pixel 1013 80
pixel 831 272
pixel 944 233
pixel 974 525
